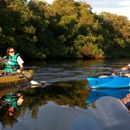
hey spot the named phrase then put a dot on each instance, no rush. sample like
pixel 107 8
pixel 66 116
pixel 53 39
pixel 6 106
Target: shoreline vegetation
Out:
pixel 64 29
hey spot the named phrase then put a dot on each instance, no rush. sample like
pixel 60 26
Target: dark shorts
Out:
pixel 5 73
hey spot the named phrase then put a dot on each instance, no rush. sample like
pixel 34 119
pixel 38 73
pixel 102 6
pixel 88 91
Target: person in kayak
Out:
pixel 127 68
pixel 13 62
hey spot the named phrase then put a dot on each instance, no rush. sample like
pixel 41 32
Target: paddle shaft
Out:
pixel 25 76
pixel 5 103
pixel 28 78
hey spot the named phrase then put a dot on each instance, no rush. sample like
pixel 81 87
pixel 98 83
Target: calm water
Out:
pixel 61 104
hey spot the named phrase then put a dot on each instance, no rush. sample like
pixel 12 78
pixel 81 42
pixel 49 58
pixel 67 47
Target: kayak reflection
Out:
pixel 95 94
pixel 122 94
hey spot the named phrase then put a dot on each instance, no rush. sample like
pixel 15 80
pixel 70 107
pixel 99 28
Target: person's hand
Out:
pixel 19 71
pixel 1 61
pixel 19 94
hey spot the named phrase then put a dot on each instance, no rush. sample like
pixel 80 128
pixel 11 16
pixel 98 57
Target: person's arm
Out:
pixel 21 68
pixel 20 62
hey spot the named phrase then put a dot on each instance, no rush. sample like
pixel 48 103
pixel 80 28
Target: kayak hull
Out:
pixel 109 82
pixel 16 79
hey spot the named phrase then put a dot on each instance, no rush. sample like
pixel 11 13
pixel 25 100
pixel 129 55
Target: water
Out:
pixel 61 104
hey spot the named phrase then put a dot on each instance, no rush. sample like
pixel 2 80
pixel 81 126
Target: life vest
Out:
pixel 11 65
pixel 12 98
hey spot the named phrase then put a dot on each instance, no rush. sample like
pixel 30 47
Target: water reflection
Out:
pixel 12 100
pixel 122 94
pixel 10 104
pixel 62 93
pixel 61 105
pixel 71 93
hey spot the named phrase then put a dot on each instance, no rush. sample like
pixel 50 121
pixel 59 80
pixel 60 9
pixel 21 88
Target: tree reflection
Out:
pixel 62 93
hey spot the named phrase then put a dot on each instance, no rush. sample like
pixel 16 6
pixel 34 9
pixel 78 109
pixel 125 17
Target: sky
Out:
pixel 119 7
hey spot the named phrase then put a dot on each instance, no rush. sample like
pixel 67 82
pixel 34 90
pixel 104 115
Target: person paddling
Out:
pixel 13 63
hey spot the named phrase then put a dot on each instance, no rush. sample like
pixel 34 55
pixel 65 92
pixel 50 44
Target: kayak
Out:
pixel 95 94
pixel 16 79
pixel 113 82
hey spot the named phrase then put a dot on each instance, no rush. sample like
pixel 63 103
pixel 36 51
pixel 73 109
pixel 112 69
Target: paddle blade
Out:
pixel 34 82
pixel 38 84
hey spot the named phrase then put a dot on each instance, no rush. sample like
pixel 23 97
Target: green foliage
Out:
pixel 65 29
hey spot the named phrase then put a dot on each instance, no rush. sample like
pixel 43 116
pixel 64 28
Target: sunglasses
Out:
pixel 11 111
pixel 11 51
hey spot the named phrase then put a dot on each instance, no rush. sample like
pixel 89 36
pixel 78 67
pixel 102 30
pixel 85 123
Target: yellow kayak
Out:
pixel 16 79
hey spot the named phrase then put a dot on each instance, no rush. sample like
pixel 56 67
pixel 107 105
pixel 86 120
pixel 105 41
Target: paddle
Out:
pixel 25 76
pixel 3 59
pixel 4 103
pixel 34 83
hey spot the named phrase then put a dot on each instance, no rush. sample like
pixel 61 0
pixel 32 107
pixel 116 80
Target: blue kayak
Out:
pixel 113 82
pixel 95 94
